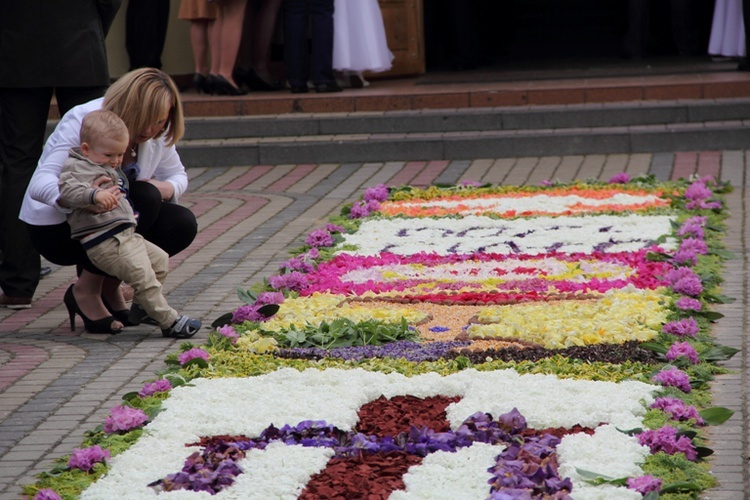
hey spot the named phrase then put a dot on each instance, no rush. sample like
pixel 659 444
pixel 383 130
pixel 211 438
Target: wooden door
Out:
pixel 404 27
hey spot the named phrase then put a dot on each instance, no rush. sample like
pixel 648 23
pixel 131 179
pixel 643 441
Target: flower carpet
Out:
pixel 468 341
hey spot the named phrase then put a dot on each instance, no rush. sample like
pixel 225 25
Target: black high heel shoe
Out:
pixel 222 86
pixel 103 325
pixel 201 84
pixel 123 315
pixel 254 81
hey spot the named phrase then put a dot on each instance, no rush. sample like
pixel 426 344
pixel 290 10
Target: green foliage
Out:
pixel 343 332
pixel 677 469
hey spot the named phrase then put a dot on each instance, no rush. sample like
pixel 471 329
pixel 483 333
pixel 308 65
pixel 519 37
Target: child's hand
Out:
pixel 105 200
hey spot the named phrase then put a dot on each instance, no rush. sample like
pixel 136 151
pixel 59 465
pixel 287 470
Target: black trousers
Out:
pixel 167 225
pixel 746 19
pixel 145 32
pixel 302 66
pixel 23 119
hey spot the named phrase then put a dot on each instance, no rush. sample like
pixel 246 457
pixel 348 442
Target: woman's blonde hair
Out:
pixel 142 97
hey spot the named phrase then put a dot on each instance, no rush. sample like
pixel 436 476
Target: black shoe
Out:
pixel 202 84
pixel 254 81
pixel 103 325
pixel 744 65
pixel 324 88
pixel 299 89
pixel 222 86
pixel 44 272
pixel 122 315
pixel 138 315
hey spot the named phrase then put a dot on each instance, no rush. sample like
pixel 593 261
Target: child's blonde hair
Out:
pixel 102 124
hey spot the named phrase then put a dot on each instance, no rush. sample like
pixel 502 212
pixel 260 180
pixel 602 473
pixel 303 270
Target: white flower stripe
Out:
pixel 533 236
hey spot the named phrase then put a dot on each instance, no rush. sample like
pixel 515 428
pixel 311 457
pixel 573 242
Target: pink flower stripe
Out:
pixel 526 280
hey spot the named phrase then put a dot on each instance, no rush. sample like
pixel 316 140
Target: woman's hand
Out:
pixel 165 188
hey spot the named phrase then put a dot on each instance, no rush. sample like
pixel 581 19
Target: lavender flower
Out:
pixel 678 410
pixel 373 206
pixel 319 238
pixel 682 349
pixel 690 286
pixel 686 256
pixel 698 191
pixel 151 388
pixel 266 298
pixel 247 312
pixel 688 303
pixel 693 227
pixel 359 210
pixel 228 332
pixel 695 244
pixel 621 178
pixel 47 494
pixel 703 205
pixel 377 193
pixel 546 183
pixel 123 419
pixel 86 458
pixel 673 377
pixel 334 228
pixel 679 273
pixel 193 353
pixel 686 327
pixel 666 440
pixel 644 484
pixel 406 349
pixel 470 183
pixel 297 264
pixel 294 281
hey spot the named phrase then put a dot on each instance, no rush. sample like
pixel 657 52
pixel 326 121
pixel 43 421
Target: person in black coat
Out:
pixel 744 64
pixel 300 64
pixel 146 24
pixel 46 48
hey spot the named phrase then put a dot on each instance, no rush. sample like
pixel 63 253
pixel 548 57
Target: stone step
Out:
pixel 656 126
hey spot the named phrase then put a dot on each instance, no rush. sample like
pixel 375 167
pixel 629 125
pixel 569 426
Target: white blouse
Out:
pixel 156 160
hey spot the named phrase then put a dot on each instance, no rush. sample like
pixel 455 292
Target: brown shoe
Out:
pixel 15 302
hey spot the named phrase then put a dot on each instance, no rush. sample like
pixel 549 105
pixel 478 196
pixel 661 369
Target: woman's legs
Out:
pixel 55 244
pixel 263 27
pixel 228 25
pixel 199 39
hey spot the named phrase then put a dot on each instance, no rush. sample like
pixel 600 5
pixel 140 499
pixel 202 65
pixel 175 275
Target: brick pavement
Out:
pixel 56 384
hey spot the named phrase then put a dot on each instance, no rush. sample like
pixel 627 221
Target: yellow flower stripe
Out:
pixel 617 317
pixel 321 307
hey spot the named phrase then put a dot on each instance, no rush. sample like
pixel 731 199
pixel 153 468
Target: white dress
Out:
pixel 359 41
pixel 727 30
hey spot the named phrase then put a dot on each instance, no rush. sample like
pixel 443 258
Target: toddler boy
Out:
pixel 109 236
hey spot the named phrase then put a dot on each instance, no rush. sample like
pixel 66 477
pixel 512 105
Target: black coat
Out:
pixel 55 43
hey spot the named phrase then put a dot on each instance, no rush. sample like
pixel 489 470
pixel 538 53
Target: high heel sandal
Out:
pixel 103 325
pixel 223 87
